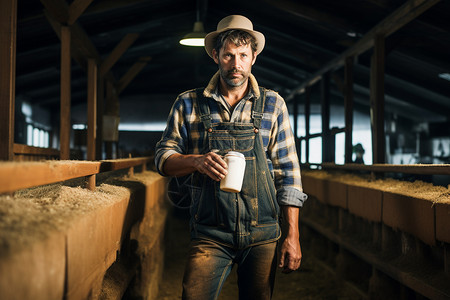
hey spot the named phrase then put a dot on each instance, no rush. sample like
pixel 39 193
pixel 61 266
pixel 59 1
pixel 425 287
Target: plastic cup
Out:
pixel 236 167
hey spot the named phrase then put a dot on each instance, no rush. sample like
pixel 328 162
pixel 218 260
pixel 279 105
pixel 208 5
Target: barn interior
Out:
pixel 90 83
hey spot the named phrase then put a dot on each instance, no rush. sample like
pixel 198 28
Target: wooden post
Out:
pixel 91 108
pixel 348 106
pixel 89 182
pixel 8 28
pixel 307 121
pixel 377 101
pixel 65 122
pixel 295 113
pixel 100 112
pixel 325 107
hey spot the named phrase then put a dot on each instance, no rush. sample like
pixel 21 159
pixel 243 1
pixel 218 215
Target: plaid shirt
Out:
pixel 182 134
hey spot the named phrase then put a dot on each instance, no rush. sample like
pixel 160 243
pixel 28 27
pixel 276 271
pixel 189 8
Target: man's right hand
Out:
pixel 212 165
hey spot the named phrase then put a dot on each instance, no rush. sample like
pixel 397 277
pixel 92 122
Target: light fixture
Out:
pixel 195 38
pixel 445 76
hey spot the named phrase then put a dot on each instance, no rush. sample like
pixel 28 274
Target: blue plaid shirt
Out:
pixel 182 134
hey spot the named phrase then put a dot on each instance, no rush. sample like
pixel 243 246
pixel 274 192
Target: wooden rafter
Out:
pixel 76 9
pixel 117 52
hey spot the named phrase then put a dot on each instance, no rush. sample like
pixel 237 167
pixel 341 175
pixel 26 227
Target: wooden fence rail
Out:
pixel 20 175
pixel 424 169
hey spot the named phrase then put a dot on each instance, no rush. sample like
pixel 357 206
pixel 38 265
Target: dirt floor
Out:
pixel 311 282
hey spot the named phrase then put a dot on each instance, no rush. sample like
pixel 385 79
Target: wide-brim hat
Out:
pixel 234 22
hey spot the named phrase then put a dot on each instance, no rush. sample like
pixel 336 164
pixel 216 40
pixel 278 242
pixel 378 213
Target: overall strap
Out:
pixel 203 109
pixel 258 108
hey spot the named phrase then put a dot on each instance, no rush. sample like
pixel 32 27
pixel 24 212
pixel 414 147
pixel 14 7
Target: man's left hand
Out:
pixel 290 254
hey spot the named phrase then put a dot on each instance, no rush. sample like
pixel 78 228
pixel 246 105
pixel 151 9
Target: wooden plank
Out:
pixel 131 73
pixel 118 164
pixel 76 9
pixel 399 18
pixel 377 101
pixel 91 108
pixel 20 175
pixel 431 169
pixel 65 123
pixel 25 149
pixel 8 32
pixel 117 52
pixel 348 107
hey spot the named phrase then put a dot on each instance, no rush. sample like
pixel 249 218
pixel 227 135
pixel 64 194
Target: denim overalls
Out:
pixel 236 220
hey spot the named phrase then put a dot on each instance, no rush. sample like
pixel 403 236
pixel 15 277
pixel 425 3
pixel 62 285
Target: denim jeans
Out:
pixel 210 263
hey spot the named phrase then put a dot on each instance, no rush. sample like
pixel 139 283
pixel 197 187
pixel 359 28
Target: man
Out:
pixel 234 114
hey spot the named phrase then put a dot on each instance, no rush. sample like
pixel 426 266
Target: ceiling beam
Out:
pixel 118 51
pixel 76 9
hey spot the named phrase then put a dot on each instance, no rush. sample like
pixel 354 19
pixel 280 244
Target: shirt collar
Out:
pixel 212 89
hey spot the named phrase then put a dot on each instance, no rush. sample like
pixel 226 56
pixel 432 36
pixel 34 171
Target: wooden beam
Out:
pixel 65 119
pixel 58 9
pixel 399 18
pixel 131 73
pixel 100 112
pixel 91 108
pixel 36 151
pixel 327 156
pixel 118 51
pixel 426 169
pixel 76 55
pixel 295 113
pixel 81 40
pixel 15 176
pixel 20 175
pixel 307 121
pixel 377 101
pixel 76 9
pixel 348 107
pixel 81 44
pixel 8 32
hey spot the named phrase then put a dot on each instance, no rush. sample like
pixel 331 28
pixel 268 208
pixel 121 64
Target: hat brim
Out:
pixel 211 37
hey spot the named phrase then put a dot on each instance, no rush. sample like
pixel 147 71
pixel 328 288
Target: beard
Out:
pixel 229 78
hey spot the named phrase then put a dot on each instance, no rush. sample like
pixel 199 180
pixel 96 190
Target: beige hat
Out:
pixel 234 22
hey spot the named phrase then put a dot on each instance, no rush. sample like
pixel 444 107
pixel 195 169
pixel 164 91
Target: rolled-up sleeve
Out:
pixel 286 167
pixel 173 138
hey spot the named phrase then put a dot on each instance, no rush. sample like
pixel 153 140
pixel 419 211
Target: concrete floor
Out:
pixel 311 282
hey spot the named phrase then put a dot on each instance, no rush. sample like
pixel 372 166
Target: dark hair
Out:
pixel 237 37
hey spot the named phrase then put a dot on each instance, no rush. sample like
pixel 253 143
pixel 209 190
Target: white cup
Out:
pixel 236 167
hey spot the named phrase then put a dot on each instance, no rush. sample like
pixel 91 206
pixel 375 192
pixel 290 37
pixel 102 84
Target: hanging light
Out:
pixel 195 38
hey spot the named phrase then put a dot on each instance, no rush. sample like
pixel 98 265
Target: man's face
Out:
pixel 235 63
